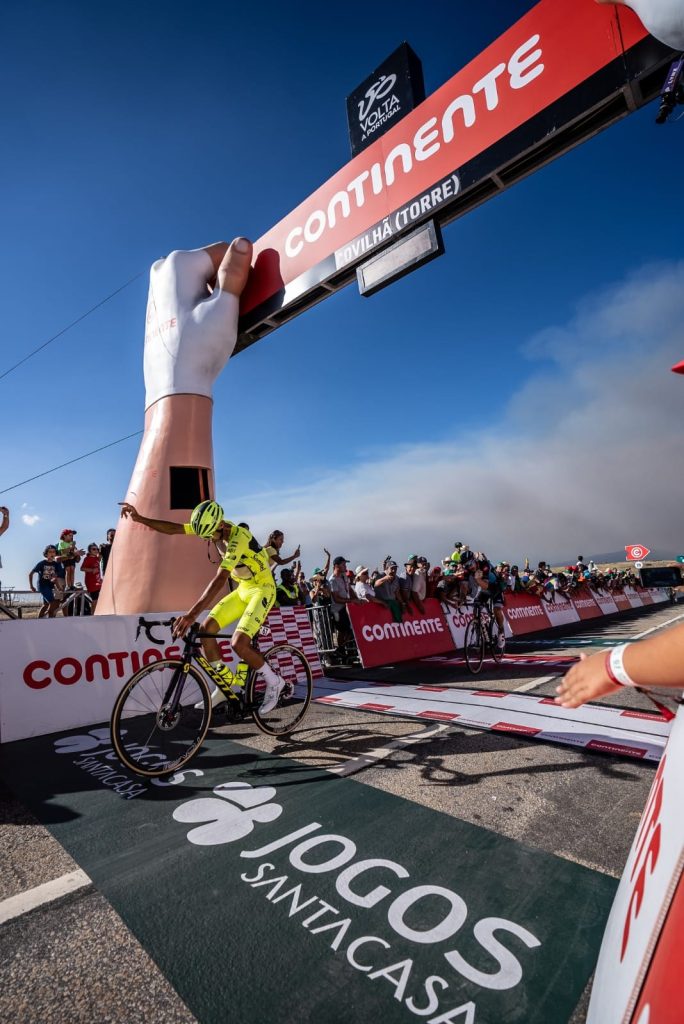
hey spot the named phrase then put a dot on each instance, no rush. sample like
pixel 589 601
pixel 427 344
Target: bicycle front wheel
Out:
pixel 160 718
pixel 292 666
pixel 497 641
pixel 473 645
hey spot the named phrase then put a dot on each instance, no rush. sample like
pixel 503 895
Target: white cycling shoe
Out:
pixel 271 695
pixel 217 697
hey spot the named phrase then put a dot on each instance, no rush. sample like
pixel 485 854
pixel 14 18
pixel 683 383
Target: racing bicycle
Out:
pixel 162 714
pixel 483 634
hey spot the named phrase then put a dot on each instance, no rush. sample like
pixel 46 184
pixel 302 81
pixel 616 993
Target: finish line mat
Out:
pixel 267 891
pixel 637 734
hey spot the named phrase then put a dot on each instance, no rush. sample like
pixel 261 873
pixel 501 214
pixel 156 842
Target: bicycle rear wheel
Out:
pixel 292 666
pixel 473 645
pixel 156 726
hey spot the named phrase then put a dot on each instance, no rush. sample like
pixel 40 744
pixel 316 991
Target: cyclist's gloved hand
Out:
pixel 192 317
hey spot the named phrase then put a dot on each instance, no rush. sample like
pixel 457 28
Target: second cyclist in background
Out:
pixel 490 592
pixel 246 562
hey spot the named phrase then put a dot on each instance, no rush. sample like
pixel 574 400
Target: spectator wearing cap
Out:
pixel 363 588
pixel 69 555
pixel 320 589
pixel 287 591
pixel 387 589
pixel 461 553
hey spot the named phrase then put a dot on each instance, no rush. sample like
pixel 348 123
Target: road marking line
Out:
pixel 663 625
pixel 534 683
pixel 357 764
pixel 20 904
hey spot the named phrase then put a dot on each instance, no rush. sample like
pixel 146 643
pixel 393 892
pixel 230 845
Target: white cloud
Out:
pixel 587 458
pixel 29 520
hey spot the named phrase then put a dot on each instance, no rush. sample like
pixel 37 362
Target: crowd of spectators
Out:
pixel 461 577
pixel 55 574
pixel 458 579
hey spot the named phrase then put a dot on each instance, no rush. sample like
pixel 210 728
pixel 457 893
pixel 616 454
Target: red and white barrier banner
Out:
pixel 605 602
pixel 526 614
pixel 382 641
pixel 586 606
pixel 61 673
pixel 457 621
pixel 561 611
pixel 622 600
pixel 638 976
pixel 633 597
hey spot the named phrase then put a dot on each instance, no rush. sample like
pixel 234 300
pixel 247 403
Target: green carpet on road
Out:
pixel 269 891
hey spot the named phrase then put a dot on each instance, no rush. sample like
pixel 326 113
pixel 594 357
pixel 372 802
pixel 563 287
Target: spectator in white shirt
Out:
pixel 363 588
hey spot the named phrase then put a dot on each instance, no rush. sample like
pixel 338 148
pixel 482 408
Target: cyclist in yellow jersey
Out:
pixel 245 561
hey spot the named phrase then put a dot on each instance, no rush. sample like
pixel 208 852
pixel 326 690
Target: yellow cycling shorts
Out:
pixel 251 603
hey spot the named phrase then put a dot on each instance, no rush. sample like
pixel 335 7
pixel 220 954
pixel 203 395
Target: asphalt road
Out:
pixel 73 960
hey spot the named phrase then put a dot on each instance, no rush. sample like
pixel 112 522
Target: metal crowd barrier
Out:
pixel 322 627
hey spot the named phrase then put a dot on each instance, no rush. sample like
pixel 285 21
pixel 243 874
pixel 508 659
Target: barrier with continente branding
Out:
pixel 382 641
pixel 62 673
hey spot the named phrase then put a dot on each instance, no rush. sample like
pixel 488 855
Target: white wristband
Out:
pixel 618 668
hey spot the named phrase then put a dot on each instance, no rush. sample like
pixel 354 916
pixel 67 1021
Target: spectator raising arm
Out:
pixel 273 546
pixel 4 525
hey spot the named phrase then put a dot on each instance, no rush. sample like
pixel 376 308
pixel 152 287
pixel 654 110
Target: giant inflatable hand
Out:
pixel 664 19
pixel 191 330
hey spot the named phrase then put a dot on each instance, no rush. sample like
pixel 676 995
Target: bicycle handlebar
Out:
pixel 194 633
pixel 148 626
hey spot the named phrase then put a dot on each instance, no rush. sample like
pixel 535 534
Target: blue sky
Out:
pixel 514 393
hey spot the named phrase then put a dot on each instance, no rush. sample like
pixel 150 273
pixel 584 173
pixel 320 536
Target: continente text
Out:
pixel 394 630
pixel 463 111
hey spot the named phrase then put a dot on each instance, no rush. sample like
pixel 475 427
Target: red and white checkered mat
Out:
pixel 636 734
pixel 291 626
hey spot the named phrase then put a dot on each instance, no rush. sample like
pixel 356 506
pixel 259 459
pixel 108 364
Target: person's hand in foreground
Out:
pixel 656 662
pixel 587 680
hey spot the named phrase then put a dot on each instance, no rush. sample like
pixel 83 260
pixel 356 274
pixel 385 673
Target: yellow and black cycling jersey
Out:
pixel 242 556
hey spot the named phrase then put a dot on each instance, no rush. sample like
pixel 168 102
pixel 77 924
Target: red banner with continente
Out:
pixel 382 641
pixel 558 61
